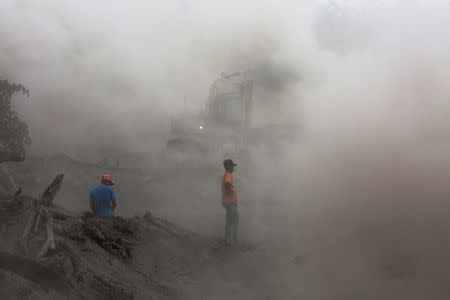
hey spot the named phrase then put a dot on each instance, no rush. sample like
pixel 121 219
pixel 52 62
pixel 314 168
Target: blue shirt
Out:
pixel 102 196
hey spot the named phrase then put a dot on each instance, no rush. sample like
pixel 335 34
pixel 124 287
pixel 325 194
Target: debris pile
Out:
pixel 74 255
pixel 108 240
pixel 39 208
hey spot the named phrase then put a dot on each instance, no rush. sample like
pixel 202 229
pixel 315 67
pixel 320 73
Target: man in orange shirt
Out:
pixel 229 201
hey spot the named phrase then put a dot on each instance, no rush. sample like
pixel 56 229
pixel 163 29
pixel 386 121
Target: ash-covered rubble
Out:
pixel 50 253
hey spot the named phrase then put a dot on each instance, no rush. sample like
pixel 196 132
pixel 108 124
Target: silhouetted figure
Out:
pixel 229 201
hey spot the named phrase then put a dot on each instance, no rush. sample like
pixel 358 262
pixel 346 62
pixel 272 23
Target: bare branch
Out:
pixel 51 191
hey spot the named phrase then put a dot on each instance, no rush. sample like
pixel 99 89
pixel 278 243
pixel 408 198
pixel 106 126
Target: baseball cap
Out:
pixel 107 177
pixel 228 163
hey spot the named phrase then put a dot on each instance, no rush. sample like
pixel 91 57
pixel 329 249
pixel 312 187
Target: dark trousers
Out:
pixel 232 222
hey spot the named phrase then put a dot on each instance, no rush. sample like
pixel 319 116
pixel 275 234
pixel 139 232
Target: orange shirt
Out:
pixel 227 177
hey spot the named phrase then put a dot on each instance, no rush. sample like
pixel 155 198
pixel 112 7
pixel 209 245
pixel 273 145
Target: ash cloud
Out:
pixel 371 171
pixel 109 75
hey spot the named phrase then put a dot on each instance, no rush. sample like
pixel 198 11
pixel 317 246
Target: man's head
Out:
pixel 107 180
pixel 229 165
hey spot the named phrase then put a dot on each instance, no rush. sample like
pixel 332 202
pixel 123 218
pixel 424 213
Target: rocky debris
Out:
pixel 75 255
pixel 39 207
pixel 115 235
pixel 59 254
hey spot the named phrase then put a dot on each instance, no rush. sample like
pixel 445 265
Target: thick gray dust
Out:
pixel 357 209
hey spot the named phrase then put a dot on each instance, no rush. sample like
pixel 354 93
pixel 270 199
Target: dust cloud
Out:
pixel 360 200
pixel 107 75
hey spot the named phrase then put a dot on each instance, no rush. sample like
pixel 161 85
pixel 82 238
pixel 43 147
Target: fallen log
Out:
pixel 45 200
pixel 51 191
pixel 26 232
pixel 38 219
pixel 50 243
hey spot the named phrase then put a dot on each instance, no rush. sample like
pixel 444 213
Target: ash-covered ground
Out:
pixel 389 244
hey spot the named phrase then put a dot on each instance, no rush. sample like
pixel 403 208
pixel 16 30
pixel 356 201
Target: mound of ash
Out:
pixel 50 253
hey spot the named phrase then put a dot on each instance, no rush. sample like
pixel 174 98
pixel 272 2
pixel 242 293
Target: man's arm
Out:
pixel 228 191
pixel 113 200
pixel 91 203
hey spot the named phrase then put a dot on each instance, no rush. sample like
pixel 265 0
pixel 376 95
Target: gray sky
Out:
pixel 110 73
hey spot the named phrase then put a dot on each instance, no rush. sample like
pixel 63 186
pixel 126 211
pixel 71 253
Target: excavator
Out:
pixel 225 128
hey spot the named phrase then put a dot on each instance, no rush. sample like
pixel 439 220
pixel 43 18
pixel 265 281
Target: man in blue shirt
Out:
pixel 102 198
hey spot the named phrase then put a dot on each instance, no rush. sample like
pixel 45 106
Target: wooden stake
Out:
pixel 26 232
pixel 50 243
pixel 50 192
pixel 36 228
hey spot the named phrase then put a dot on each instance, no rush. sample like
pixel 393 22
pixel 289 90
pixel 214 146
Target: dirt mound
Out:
pixel 59 254
pixel 51 253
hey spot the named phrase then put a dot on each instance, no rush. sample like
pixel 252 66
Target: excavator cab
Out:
pixel 229 105
pixel 223 129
